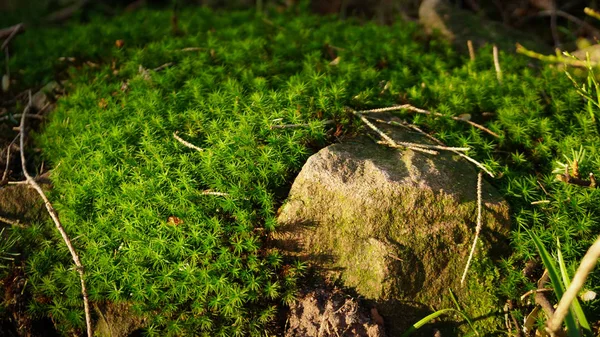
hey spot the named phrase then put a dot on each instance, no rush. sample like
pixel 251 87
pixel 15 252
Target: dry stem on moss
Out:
pixel 5 174
pixel 388 140
pixel 15 29
pixel 415 128
pixel 186 143
pixel 587 265
pixel 289 126
pixel 471 50
pixel 477 229
pixel 497 64
pixel 426 112
pixel 30 181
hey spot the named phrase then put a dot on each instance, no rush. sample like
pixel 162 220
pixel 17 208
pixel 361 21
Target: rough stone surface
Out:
pixel 117 320
pixel 330 313
pixel 394 225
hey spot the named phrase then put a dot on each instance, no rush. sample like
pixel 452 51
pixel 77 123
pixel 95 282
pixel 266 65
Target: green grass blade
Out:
pixel 575 306
pixel 559 287
pixel 462 312
pixel 426 320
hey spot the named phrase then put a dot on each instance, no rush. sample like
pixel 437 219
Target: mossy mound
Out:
pixel 395 226
pixel 143 210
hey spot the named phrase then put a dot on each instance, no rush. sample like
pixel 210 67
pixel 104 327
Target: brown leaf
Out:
pixel 119 43
pixel 173 220
pixel 103 103
pixel 338 130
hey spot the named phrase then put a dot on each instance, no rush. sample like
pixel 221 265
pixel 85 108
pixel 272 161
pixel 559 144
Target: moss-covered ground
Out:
pixel 133 198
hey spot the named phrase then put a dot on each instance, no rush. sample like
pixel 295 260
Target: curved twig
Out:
pixel 54 216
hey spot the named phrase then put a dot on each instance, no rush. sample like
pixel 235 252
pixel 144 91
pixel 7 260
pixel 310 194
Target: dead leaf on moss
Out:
pixel 103 103
pixel 173 220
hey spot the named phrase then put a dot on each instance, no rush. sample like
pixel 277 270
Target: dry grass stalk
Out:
pixel 497 64
pixel 417 129
pixel 471 50
pixel 15 223
pixel 186 143
pixel 425 112
pixel 5 174
pixel 388 140
pixel 585 267
pixel 427 146
pixel 30 181
pixel 477 229
pixel 220 194
pixel 289 126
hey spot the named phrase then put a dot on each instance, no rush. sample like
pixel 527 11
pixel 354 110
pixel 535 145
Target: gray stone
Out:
pixel 394 225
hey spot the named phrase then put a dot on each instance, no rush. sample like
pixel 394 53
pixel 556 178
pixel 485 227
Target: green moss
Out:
pixel 119 174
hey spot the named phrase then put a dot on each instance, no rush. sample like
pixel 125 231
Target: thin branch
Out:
pixel 54 216
pixel 585 267
pixel 535 291
pixel 540 296
pixel 186 143
pixel 163 67
pixel 288 126
pixel 15 223
pixel 192 49
pixel 415 128
pixel 5 118
pixel 5 174
pixel 220 194
pixel 572 18
pixel 15 29
pixel 497 64
pixel 477 229
pixel 471 50
pixel 427 146
pixel 8 31
pixel 388 139
pixel 425 112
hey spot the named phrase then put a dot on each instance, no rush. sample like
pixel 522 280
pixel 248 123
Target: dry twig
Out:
pixel 471 50
pixel 54 216
pixel 477 229
pixel 388 140
pixel 163 67
pixel 425 112
pixel 585 267
pixel 427 146
pixel 186 143
pixel 15 223
pixel 417 129
pixel 5 118
pixel 15 29
pixel 497 64
pixel 220 194
pixel 288 126
pixel 5 174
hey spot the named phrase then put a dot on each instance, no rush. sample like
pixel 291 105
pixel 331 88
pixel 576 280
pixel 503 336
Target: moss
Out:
pixel 119 174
